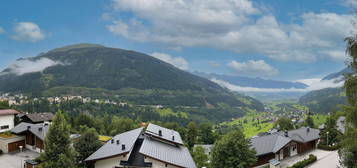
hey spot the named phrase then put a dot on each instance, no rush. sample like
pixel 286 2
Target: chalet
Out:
pixel 7 118
pixel 34 135
pixel 36 118
pixel 156 147
pixel 283 144
pixel 8 141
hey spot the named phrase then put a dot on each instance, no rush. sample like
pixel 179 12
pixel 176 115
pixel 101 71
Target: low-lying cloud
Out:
pixel 24 66
pixel 178 62
pixel 253 68
pixel 313 84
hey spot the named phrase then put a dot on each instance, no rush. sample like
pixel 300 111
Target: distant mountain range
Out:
pixel 99 71
pixel 253 82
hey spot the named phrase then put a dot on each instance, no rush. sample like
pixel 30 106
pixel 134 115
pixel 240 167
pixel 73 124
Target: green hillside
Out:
pixel 122 75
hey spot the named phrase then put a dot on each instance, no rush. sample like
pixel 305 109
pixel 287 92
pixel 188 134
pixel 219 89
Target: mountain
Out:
pixel 324 100
pixel 338 74
pixel 253 82
pixel 99 71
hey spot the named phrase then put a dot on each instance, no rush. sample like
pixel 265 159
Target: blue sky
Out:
pixel 277 39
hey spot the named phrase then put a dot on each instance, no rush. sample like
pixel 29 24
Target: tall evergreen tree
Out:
pixel 191 134
pixel 348 152
pixel 58 151
pixel 87 144
pixel 233 150
pixel 200 158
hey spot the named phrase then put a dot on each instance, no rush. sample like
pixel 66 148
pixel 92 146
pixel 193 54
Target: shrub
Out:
pixel 328 148
pixel 305 162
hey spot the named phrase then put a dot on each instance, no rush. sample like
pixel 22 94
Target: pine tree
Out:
pixel 87 144
pixel 58 151
pixel 233 150
pixel 348 152
pixel 200 158
pixel 191 134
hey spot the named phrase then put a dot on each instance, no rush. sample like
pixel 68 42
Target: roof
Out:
pixel 113 149
pixel 33 128
pixel 274 142
pixel 340 124
pixel 304 134
pixel 40 117
pixel 164 152
pixel 167 134
pixel 269 143
pixel 8 112
pixel 274 162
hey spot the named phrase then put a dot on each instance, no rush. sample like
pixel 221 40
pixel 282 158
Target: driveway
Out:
pixel 325 159
pixel 329 161
pixel 17 159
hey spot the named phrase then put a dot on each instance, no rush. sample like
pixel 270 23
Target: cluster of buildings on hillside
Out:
pixel 153 146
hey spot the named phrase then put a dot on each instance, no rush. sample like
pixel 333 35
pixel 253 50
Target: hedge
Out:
pixel 305 162
pixel 328 148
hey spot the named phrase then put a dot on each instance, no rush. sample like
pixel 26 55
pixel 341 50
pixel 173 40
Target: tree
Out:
pixel 200 158
pixel 191 134
pixel 206 133
pixel 120 125
pixel 4 105
pixel 233 150
pixel 86 144
pixel 58 151
pixel 284 124
pixel 348 152
pixel 309 121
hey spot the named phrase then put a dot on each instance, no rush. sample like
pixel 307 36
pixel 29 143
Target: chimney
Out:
pixel 160 133
pixel 40 129
pixel 118 142
pixel 112 141
pixel 308 129
pixel 28 127
pixel 123 147
pixel 173 138
pixel 286 134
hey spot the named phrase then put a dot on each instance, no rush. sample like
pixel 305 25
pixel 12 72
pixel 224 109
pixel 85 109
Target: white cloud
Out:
pixel 313 84
pixel 27 31
pixel 236 25
pixel 24 66
pixel 178 62
pixel 252 67
pixel 2 30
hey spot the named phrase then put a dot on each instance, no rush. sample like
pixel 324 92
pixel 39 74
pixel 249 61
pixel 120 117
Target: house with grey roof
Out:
pixel 36 118
pixel 154 147
pixel 284 144
pixel 34 135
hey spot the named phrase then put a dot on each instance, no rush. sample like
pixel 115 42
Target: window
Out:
pixel 166 165
pixel 4 127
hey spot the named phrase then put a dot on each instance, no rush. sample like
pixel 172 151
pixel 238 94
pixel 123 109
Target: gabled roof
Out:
pixel 269 143
pixel 40 130
pixel 274 142
pixel 303 134
pixel 113 149
pixel 167 153
pixel 166 134
pixel 40 117
pixel 8 112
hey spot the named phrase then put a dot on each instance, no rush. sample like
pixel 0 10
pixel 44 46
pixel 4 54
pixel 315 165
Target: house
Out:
pixel 34 135
pixel 36 118
pixel 7 118
pixel 284 144
pixel 156 147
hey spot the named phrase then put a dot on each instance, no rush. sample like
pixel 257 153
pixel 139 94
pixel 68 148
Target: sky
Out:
pixel 272 39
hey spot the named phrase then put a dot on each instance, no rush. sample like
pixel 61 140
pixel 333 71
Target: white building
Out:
pixel 7 119
pixel 156 147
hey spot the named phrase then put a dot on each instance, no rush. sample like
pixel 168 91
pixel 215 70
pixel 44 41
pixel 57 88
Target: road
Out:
pixel 329 161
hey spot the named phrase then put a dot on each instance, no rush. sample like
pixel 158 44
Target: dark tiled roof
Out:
pixel 40 117
pixel 269 143
pixel 167 134
pixel 177 155
pixel 113 149
pixel 8 112
pixel 274 142
pixel 40 130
